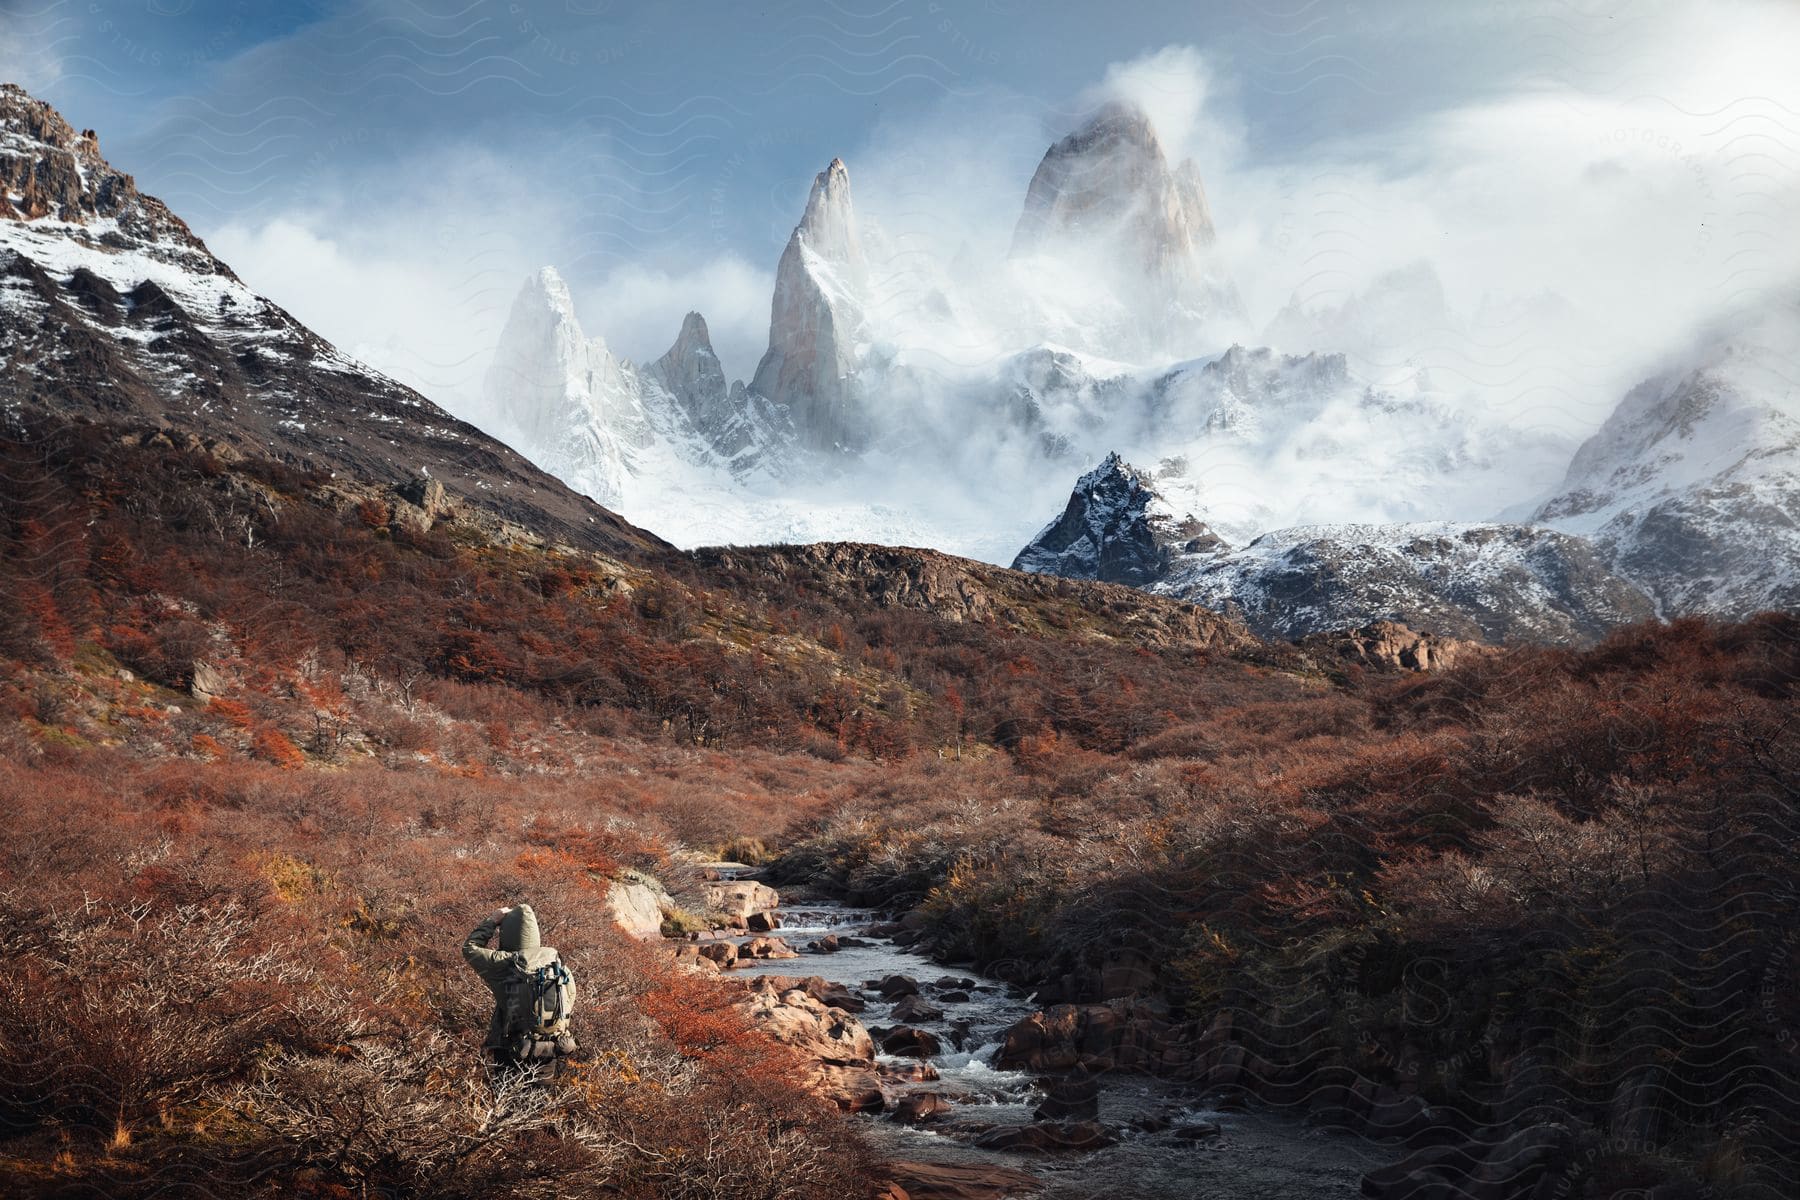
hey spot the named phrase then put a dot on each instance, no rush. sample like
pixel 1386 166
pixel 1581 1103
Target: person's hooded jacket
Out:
pixel 518 929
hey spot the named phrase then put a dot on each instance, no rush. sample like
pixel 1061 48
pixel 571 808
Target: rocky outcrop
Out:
pixel 960 589
pixel 815 320
pixel 839 1052
pixel 1391 646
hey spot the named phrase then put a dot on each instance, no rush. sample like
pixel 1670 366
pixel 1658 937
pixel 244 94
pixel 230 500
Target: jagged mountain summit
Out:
pixel 113 312
pixel 602 423
pixel 879 358
pixel 1692 486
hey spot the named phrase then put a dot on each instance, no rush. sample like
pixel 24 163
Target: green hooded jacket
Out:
pixel 518 928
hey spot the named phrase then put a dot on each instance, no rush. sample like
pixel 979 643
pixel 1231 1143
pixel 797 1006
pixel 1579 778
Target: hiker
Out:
pixel 533 993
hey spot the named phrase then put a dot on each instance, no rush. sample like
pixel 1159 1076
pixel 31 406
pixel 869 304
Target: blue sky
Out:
pixel 391 170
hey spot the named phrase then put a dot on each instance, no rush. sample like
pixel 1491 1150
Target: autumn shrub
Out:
pixel 118 1014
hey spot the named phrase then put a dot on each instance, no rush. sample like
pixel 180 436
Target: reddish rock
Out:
pixel 1047 1137
pixel 724 954
pixel 909 1042
pixel 921 1106
pixel 766 948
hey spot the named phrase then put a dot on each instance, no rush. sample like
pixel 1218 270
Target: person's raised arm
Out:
pixel 476 952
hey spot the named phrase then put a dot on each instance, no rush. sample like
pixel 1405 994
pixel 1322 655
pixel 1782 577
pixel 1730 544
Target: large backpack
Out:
pixel 539 994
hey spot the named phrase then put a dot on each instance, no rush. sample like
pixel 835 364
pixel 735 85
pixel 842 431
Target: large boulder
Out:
pixel 766 948
pixel 1047 1137
pixel 908 1042
pixel 637 905
pixel 741 898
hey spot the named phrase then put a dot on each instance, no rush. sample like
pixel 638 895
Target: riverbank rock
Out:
pixel 959 1181
pixel 829 944
pixel 910 1072
pixel 688 955
pixel 832 995
pixel 762 922
pixel 852 1089
pixel 741 898
pixel 723 954
pixel 840 1052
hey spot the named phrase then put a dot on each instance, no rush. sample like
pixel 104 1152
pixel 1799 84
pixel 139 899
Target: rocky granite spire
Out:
pixel 1107 198
pixel 1110 179
pixel 814 321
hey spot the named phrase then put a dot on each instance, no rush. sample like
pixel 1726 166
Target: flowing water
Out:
pixel 1254 1155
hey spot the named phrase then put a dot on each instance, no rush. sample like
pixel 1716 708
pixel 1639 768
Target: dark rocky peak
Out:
pixel 691 370
pixel 1115 528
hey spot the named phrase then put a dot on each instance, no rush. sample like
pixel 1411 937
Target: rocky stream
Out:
pixel 921 1052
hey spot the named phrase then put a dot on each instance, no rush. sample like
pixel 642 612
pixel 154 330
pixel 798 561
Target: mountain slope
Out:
pixel 111 310
pixel 1692 486
pixel 1487 582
